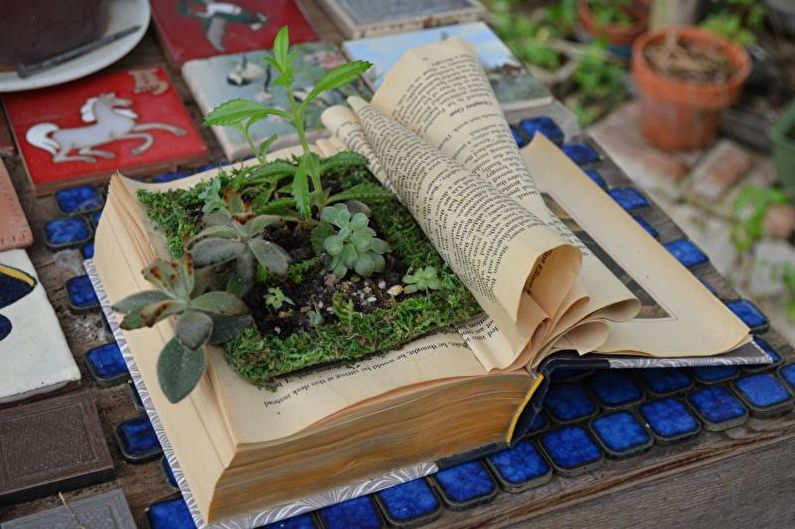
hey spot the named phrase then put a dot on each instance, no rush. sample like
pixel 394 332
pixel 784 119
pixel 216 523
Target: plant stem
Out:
pixel 298 124
pixel 244 131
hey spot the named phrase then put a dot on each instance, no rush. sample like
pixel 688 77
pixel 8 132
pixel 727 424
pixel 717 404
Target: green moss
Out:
pixel 347 335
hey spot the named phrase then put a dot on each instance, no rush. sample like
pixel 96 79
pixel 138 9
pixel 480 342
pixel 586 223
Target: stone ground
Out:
pixel 697 190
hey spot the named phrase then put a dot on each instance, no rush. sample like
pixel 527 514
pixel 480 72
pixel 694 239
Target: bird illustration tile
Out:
pixel 247 76
pixel 132 121
pixel 197 29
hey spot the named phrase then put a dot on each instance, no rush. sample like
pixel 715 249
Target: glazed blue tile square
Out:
pixel 713 374
pixel 66 232
pixel 568 402
pixel 646 226
pixel 581 153
pixel 769 351
pixel 629 198
pixel 621 433
pixel 763 394
pixel 137 440
pixel 358 513
pixel 571 450
pixel 686 252
pixel 107 364
pixel 615 388
pixel 669 420
pixel 168 473
pixel 95 218
pixel 465 485
pixel 170 514
pixel 546 126
pixel 539 423
pixel 409 503
pixel 302 521
pixel 570 374
pixel 787 372
pixel 749 314
pixel 519 467
pixel 594 175
pixel 717 407
pixel 520 141
pixel 88 250
pixel 663 381
pixel 80 199
pixel 81 293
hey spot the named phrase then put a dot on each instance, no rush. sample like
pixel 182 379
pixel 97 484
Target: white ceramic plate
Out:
pixel 123 14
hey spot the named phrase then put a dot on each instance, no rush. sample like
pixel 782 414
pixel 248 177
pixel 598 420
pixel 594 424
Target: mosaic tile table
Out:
pixel 689 448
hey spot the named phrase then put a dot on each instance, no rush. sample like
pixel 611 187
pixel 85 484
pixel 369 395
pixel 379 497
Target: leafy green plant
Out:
pixel 611 12
pixel 242 114
pixel 737 20
pixel 422 279
pixel 352 245
pixel 750 208
pixel 202 317
pixel 211 196
pixel 276 298
pixel 315 317
pixel 599 83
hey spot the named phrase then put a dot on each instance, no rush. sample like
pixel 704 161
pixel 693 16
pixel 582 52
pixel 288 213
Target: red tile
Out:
pixel 131 121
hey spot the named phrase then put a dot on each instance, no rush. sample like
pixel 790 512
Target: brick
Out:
pixel 718 171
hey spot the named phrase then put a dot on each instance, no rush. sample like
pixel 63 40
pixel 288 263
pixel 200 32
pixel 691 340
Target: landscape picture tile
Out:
pixel 512 84
pixel 196 29
pixel 132 121
pixel 247 76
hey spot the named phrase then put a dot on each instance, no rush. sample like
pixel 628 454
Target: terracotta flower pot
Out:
pixel 682 115
pixel 639 10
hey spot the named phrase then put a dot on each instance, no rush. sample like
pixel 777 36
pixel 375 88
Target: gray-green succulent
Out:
pixel 352 245
pixel 203 317
pixel 422 279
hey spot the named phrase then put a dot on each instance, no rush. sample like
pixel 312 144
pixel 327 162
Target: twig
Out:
pixel 71 512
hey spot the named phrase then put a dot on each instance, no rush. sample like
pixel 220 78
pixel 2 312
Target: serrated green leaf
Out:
pixel 278 206
pixel 266 144
pixel 236 112
pixel 179 369
pixel 300 190
pixel 337 77
pixel 281 46
pixel 220 303
pixel 342 160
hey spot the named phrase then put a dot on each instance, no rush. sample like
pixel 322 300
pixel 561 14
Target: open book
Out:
pixel 552 260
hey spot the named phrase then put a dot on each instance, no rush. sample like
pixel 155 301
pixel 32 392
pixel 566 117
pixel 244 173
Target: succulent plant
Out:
pixel 276 298
pixel 231 235
pixel 353 245
pixel 203 317
pixel 422 279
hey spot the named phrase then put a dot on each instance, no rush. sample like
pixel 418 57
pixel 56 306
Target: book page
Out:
pixel 678 315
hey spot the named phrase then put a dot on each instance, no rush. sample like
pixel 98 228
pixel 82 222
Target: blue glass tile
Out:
pixel 568 402
pixel 749 314
pixel 763 394
pixel 71 231
pixel 107 364
pixel 571 449
pixel 520 142
pixel 646 226
pixel 581 153
pixel 546 126
pixel 629 198
pixel 358 513
pixel 768 349
pixel 520 466
pixel 713 374
pixel 465 485
pixel 170 514
pixel 669 419
pixel 302 521
pixel 615 388
pixel 787 372
pixel 170 479
pixel 620 433
pixel 409 502
pixel 686 252
pixel 717 407
pixel 665 380
pixel 137 440
pixel 80 199
pixel 88 250
pixel 570 374
pixel 594 175
pixel 95 218
pixel 540 423
pixel 81 293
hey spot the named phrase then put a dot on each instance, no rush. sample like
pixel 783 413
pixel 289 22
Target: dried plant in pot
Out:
pixel 686 76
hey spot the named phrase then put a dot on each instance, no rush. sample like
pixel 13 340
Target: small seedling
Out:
pixel 276 299
pixel 422 279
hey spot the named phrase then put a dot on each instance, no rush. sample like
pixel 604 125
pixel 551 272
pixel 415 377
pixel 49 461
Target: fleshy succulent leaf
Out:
pixel 139 300
pixel 225 328
pixel 215 251
pixel 193 329
pixel 270 255
pixel 354 245
pixel 161 274
pixel 179 369
pixel 156 312
pixel 220 303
